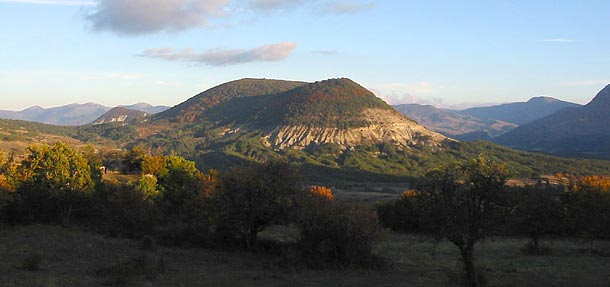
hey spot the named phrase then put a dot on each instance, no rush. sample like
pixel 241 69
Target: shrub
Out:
pixel 401 215
pixel 537 212
pixel 121 209
pixel 336 234
pixel 588 207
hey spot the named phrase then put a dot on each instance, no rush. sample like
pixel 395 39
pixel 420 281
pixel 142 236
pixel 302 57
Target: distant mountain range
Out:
pixel 483 122
pixel 453 123
pixel 580 131
pixel 73 114
pixel 521 112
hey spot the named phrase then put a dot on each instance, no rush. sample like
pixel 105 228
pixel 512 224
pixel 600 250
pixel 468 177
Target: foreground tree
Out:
pixel 461 203
pixel 252 198
pixel 55 180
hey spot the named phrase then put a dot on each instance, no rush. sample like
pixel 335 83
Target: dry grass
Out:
pixel 72 258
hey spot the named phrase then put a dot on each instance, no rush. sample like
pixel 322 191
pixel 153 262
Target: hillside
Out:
pixel 336 111
pixel 520 112
pixel 119 114
pixel 335 130
pixel 583 131
pixel 72 114
pixel 195 108
pixel 453 123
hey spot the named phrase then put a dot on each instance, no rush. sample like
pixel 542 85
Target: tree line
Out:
pixel 170 200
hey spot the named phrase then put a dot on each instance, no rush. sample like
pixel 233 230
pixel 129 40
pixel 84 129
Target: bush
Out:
pixel 401 215
pixel 121 209
pixel 536 212
pixel 336 234
pixel 587 202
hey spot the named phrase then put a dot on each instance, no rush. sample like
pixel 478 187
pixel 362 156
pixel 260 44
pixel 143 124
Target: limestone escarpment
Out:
pixel 383 126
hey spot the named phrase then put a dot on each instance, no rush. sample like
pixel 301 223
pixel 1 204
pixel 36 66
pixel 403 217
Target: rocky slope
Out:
pixel 384 126
pixel 119 114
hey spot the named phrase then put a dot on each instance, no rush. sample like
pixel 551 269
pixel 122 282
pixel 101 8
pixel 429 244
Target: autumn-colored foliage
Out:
pixel 597 183
pixel 322 191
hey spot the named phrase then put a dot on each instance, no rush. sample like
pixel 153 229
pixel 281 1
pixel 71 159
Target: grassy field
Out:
pixel 70 257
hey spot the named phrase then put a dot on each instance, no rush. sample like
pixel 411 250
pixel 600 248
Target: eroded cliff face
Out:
pixel 384 126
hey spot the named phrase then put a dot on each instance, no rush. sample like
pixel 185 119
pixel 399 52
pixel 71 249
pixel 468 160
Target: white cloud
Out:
pixel 148 16
pixel 223 57
pixel 585 83
pixel 408 93
pixel 52 2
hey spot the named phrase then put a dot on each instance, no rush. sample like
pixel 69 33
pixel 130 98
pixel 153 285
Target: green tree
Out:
pixel 132 159
pixel 252 198
pixel 181 187
pixel 461 203
pixel 155 165
pixel 147 185
pixel 55 177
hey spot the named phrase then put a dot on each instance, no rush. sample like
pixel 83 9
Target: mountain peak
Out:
pixel 542 99
pixel 601 100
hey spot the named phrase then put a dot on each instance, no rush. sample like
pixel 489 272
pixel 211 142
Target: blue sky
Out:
pixel 446 53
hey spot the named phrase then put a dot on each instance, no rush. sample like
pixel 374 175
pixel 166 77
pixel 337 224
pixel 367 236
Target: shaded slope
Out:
pixel 454 124
pixel 583 131
pixel 521 112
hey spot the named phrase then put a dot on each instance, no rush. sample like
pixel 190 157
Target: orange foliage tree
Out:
pixel 321 191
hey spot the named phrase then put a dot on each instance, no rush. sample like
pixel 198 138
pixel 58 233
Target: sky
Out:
pixel 451 54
